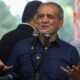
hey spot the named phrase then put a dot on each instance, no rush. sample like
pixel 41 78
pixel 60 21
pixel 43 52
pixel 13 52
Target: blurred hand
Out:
pixel 73 72
pixel 4 69
pixel 3 66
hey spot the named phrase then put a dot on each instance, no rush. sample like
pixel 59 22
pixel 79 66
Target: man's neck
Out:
pixel 51 39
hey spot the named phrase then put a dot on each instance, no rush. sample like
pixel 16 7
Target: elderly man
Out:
pixel 41 57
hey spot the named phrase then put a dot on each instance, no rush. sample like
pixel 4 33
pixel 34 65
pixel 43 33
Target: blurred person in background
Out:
pixel 76 40
pixel 24 30
pixel 76 44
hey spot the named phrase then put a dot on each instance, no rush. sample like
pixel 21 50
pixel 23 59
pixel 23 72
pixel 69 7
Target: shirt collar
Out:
pixel 56 42
pixel 26 24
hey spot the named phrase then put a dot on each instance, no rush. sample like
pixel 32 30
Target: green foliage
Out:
pixel 7 21
pixel 67 32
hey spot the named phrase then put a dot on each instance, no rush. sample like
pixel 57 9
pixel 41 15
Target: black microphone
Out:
pixel 47 37
pixel 35 35
pixel 35 56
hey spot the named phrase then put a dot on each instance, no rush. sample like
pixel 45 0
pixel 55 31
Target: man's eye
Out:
pixel 40 16
pixel 51 17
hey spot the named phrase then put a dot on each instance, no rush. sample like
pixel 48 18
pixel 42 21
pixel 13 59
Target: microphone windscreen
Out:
pixel 47 34
pixel 35 33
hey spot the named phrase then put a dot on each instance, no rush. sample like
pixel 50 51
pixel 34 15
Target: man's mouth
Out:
pixel 44 25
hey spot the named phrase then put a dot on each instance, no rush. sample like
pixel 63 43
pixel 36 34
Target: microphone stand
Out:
pixel 35 56
pixel 47 37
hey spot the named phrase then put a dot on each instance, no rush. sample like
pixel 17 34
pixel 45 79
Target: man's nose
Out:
pixel 45 19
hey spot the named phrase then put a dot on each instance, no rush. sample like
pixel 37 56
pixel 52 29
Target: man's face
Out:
pixel 48 20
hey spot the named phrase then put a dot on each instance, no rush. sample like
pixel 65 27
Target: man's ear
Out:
pixel 35 19
pixel 61 24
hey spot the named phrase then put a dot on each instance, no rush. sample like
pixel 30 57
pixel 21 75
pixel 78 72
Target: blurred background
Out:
pixel 11 12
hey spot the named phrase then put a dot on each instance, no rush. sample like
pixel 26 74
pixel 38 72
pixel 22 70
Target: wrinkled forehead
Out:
pixel 48 7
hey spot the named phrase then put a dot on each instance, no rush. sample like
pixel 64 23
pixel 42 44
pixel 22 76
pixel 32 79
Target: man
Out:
pixel 44 61
pixel 23 31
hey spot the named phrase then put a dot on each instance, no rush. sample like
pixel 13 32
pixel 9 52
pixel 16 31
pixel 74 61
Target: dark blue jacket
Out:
pixel 59 54
pixel 10 39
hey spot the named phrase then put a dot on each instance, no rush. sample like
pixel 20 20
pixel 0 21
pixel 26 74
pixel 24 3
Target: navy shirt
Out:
pixel 59 54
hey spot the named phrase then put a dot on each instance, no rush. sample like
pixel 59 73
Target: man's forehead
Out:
pixel 48 7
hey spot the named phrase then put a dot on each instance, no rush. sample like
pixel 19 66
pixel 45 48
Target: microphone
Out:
pixel 35 35
pixel 47 36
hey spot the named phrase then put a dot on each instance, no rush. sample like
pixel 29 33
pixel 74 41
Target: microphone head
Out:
pixel 35 33
pixel 47 34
